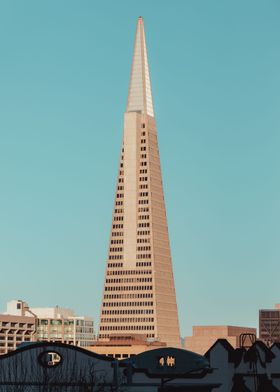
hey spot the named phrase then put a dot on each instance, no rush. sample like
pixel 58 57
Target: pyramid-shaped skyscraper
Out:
pixel 139 294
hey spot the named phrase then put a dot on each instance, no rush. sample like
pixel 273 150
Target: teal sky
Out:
pixel 215 71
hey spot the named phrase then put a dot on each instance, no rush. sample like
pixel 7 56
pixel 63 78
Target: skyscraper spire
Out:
pixel 140 92
pixel 139 294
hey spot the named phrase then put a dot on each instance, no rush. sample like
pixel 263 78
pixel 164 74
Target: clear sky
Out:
pixel 215 70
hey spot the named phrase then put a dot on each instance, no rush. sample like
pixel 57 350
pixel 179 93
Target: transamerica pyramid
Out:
pixel 139 294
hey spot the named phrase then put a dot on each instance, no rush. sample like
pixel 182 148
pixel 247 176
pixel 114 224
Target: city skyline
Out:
pixel 216 87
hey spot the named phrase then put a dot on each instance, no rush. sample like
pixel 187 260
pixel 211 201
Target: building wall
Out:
pixel 17 308
pixel 124 346
pixel 120 352
pixel 269 325
pixel 71 330
pixel 15 330
pixel 205 336
pixel 53 312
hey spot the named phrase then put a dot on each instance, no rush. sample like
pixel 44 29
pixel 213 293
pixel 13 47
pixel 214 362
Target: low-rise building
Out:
pixel 71 330
pixel 205 336
pixel 50 324
pixel 124 346
pixel 15 330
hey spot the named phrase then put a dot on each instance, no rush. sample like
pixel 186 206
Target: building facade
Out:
pixel 139 294
pixel 205 336
pixel 15 330
pixel 71 330
pixel 269 325
pixel 124 346
pixel 53 324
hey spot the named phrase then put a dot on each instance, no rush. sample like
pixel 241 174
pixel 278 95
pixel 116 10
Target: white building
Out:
pixel 56 324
